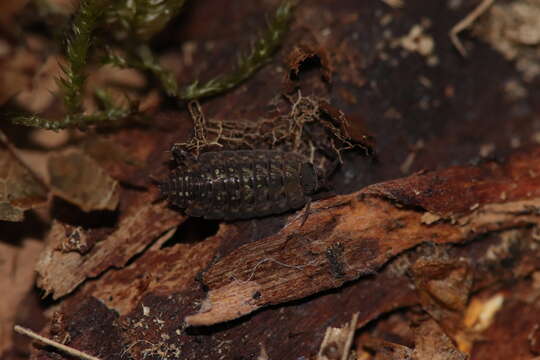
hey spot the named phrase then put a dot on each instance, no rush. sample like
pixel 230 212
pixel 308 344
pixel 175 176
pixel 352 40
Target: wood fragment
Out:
pixel 227 303
pixel 60 272
pixel 367 230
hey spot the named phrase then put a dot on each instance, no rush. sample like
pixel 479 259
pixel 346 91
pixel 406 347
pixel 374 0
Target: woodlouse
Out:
pixel 239 184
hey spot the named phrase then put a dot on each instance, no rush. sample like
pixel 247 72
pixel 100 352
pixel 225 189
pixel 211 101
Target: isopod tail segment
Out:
pixel 163 187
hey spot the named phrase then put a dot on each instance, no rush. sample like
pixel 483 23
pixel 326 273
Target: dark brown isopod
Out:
pixel 240 184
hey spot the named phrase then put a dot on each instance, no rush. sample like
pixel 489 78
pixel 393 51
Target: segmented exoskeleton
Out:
pixel 239 184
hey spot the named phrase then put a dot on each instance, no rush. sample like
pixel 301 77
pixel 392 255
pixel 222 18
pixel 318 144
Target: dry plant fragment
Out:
pixel 443 286
pixel 20 189
pixel 64 348
pixel 466 23
pixel 227 303
pixel 337 341
pixel 431 343
pixel 312 128
pixel 302 53
pixel 79 179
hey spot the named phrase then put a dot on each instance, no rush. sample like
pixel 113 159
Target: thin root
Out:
pixel 466 22
pixel 298 267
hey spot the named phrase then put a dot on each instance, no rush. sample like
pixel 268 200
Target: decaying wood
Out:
pixel 59 272
pixel 298 261
pixel 321 254
pixel 438 264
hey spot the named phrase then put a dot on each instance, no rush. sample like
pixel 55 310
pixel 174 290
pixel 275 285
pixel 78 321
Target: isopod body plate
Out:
pixel 240 184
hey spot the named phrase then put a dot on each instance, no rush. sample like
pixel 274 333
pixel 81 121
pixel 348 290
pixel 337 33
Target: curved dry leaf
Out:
pixel 78 179
pixel 117 160
pixel 20 189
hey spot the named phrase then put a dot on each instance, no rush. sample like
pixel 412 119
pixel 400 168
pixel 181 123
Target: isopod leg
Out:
pixel 306 212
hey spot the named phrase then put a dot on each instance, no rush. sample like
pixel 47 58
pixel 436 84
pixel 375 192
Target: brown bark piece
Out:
pixel 444 286
pixel 20 189
pixel 143 221
pixel 230 301
pixel 166 271
pixel 300 54
pixel 459 190
pixel 294 263
pixel 79 179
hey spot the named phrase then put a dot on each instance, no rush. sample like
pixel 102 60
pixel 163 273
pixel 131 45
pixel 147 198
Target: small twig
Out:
pixel 348 342
pixel 466 22
pixel 59 346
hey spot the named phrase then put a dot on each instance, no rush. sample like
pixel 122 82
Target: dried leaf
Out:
pixel 80 180
pixel 20 189
pixel 114 158
pixel 386 350
pixel 433 344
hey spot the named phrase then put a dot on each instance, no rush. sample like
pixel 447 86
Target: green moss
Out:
pixel 137 21
pixel 77 50
pixel 145 61
pixel 143 18
pixel 263 49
